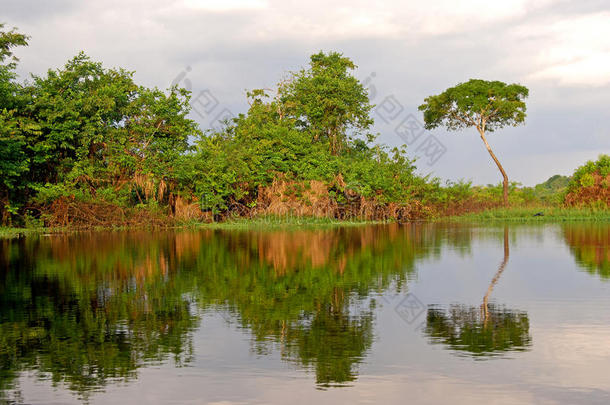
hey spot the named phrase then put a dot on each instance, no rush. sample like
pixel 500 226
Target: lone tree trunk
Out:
pixel 494 281
pixel 493 156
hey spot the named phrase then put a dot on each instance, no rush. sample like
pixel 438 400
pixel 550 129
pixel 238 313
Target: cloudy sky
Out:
pixel 405 51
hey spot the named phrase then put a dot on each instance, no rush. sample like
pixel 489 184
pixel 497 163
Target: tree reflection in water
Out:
pixel 590 245
pixel 480 332
pixel 86 310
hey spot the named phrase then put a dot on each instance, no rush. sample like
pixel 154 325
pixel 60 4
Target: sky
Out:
pixel 404 50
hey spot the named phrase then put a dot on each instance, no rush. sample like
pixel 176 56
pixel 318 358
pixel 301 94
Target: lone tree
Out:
pixel 485 105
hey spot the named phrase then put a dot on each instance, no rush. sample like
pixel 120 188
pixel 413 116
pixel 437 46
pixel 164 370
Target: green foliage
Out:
pixel 555 183
pixel 8 62
pixel 97 127
pixel 518 196
pixel 14 162
pixel 9 40
pixel 88 133
pixel 551 191
pixel 590 185
pixel 13 128
pixel 587 180
pixel 327 101
pixel 584 175
pixel 272 141
pixel 488 105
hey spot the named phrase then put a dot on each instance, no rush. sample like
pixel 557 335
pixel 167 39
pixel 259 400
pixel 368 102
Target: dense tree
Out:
pixel 8 41
pixel 272 142
pixel 327 100
pixel 100 131
pixel 13 162
pixel 78 108
pixel 87 133
pixel 485 105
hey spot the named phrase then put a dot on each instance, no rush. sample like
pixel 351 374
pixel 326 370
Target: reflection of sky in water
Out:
pixel 569 324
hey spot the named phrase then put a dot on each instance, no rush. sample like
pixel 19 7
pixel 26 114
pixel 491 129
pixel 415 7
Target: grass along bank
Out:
pixel 255 223
pixel 281 222
pixel 533 214
pixel 9 233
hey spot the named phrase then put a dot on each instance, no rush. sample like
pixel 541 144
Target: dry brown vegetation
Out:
pixel 472 204
pixel 587 195
pixel 314 199
pixel 65 212
pixel 282 198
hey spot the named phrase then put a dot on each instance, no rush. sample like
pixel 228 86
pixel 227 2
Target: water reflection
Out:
pixel 89 310
pixel 481 332
pixel 464 330
pixel 82 313
pixel 590 245
pixel 305 292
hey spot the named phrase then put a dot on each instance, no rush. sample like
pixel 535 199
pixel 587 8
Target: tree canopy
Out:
pixel 488 105
pixel 327 100
pixel 13 128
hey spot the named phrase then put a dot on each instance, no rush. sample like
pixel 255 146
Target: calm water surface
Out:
pixel 380 314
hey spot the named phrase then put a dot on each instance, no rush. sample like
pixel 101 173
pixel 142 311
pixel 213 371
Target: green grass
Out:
pixel 274 222
pixel 521 214
pixel 9 233
pixel 258 223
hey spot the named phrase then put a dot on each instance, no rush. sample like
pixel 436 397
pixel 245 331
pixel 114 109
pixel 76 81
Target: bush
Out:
pixel 589 184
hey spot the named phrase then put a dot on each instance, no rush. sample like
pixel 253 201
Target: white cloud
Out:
pixel 225 5
pixel 577 51
pixel 448 16
pixel 345 19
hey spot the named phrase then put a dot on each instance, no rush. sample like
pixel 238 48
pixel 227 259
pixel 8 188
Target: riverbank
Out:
pixel 272 222
pixel 533 214
pixel 263 222
pixel 517 214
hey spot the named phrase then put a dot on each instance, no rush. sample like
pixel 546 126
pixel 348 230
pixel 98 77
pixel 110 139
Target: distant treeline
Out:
pixel 85 145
